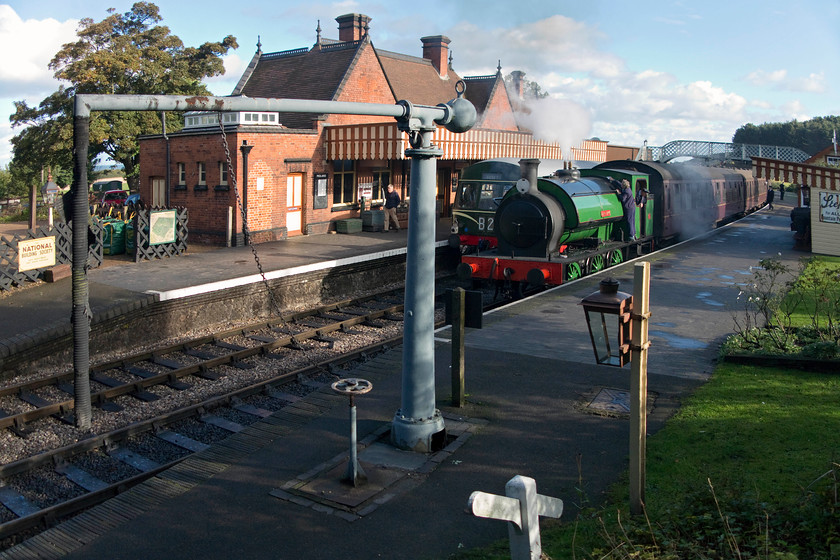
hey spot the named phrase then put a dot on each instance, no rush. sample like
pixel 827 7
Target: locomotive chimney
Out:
pixel 528 169
pixel 352 27
pixel 436 49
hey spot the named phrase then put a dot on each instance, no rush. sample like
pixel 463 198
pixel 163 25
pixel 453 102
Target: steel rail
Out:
pixel 56 456
pixel 63 408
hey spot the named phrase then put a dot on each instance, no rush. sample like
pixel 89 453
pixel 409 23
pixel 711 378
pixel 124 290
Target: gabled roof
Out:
pixel 315 73
pixel 821 155
pixel 480 90
pixel 416 79
pixel 318 73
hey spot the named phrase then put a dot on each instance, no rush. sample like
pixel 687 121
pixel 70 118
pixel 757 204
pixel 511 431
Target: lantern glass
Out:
pixel 604 330
pixel 608 318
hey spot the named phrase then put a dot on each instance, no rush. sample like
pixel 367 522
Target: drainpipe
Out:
pixel 246 149
pixel 168 162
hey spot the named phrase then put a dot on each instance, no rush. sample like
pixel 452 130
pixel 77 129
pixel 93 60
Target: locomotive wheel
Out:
pixel 597 263
pixel 574 271
pixel 615 257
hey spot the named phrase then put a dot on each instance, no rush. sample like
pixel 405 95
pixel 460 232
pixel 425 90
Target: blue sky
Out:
pixel 620 71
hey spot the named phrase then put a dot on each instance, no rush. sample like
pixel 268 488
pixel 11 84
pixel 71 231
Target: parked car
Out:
pixel 114 198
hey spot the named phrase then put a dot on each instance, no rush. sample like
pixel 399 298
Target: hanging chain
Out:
pixel 232 180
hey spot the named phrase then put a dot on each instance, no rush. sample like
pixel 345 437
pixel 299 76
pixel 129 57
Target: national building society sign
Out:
pixel 36 253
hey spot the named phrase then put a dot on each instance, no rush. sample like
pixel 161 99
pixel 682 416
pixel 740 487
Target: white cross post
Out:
pixel 521 508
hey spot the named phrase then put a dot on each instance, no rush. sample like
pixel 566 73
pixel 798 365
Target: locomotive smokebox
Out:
pixel 528 169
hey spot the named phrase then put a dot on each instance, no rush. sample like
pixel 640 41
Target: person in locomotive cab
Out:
pixel 392 200
pixel 625 196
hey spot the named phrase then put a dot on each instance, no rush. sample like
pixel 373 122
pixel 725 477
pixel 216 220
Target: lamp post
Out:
pixel 618 329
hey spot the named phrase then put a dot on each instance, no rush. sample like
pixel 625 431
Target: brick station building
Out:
pixel 303 172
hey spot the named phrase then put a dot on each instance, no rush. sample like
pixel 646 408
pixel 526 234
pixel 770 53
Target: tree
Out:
pixel 810 136
pixel 122 54
pixel 530 90
pixel 5 183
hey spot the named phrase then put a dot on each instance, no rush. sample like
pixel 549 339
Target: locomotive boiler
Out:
pixel 562 226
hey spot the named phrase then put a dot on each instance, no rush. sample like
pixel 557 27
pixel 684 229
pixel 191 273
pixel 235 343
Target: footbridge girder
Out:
pixel 724 151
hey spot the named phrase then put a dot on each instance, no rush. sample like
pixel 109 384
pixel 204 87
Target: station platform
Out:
pixel 537 406
pixel 41 313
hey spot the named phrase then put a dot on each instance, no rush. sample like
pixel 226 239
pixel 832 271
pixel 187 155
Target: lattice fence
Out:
pixel 10 275
pixel 144 250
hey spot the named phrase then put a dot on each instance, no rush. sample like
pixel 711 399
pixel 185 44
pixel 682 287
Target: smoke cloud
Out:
pixel 556 120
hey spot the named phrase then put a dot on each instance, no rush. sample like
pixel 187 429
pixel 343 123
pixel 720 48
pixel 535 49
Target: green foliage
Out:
pixel 5 183
pixel 746 469
pixel 785 311
pixel 122 54
pixel 530 90
pixel 810 136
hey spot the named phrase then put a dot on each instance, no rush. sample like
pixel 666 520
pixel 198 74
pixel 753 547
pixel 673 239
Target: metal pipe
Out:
pixel 81 313
pixel 166 182
pixel 85 103
pixel 246 149
pixel 417 420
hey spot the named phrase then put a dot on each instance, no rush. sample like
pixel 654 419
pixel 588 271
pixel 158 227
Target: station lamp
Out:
pixel 608 314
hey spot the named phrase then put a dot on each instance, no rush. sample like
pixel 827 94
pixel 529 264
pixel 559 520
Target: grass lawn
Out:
pixel 748 468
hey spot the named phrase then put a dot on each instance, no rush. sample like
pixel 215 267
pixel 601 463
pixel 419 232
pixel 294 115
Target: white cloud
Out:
pixel 26 48
pixel 234 68
pixel 554 44
pixel 763 78
pixel 779 80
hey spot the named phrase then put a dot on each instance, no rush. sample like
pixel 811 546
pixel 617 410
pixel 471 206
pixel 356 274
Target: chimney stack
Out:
pixel 352 27
pixel 517 78
pixel 436 49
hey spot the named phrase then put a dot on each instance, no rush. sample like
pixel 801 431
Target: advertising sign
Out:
pixel 162 227
pixel 365 190
pixel 830 207
pixel 36 253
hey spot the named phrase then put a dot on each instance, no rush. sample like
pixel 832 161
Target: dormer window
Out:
pixel 207 119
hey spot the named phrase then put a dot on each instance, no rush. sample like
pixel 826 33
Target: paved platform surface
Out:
pixel 272 492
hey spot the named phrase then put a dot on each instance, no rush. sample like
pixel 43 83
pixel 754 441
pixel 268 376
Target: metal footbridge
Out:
pixel 724 151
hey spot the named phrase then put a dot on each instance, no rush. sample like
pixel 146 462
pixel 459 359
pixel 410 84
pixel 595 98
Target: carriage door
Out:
pixel 294 197
pixel 645 212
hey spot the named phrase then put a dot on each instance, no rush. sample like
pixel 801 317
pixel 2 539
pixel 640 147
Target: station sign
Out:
pixel 36 253
pixel 830 207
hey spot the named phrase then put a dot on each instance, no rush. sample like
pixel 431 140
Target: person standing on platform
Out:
pixel 392 200
pixel 771 194
pixel 781 191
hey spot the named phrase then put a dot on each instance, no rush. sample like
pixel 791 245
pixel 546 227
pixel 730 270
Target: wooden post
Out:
pixel 638 385
pixel 458 307
pixel 33 207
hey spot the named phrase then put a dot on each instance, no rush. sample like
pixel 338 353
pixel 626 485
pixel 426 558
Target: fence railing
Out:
pixel 10 273
pixel 145 243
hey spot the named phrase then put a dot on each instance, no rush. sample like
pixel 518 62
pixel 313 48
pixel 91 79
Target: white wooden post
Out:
pixel 521 508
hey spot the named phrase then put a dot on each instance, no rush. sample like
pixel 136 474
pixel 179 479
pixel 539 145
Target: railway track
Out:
pixel 154 409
